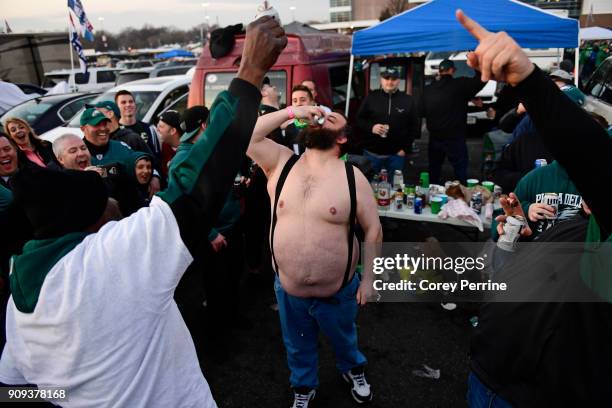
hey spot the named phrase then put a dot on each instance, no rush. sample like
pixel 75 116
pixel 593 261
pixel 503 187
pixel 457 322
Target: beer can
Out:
pixel 540 163
pixel 410 200
pixel 512 232
pixel 398 202
pixel 476 202
pixel 497 191
pixel 551 199
pixel 418 205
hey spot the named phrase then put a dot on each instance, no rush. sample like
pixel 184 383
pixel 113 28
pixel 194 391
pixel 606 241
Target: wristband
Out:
pixel 290 112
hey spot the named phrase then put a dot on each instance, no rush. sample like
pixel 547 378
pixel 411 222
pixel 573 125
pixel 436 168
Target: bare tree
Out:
pixel 393 7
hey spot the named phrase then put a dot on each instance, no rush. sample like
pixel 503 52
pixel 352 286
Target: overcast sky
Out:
pixel 51 15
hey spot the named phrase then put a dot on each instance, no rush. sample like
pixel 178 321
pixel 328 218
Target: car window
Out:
pixel 131 76
pixel 144 100
pixel 52 80
pixel 179 105
pixel 171 97
pixel 375 75
pixel 72 107
pixel 106 76
pixel 463 70
pixel 600 83
pixel 173 71
pixel 217 82
pixel 338 78
pixel 81 78
pixel 30 111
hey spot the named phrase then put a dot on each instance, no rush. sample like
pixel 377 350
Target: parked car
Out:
pixel 96 79
pixel 130 75
pixel 152 96
pixel 44 113
pixel 598 91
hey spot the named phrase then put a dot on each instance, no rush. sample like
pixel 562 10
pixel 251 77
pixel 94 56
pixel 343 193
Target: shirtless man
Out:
pixel 316 286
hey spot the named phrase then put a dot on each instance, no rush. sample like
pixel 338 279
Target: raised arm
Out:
pixel 264 151
pixel 200 182
pixel 576 141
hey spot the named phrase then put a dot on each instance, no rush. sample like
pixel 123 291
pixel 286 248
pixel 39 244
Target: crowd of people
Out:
pixel 116 240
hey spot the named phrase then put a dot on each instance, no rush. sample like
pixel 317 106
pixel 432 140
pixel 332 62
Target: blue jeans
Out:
pixel 391 163
pixel 480 396
pixel 301 319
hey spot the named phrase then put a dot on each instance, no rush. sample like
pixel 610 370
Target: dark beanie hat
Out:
pixel 58 202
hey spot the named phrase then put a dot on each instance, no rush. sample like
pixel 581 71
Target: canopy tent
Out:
pixel 174 53
pixel 595 33
pixel 433 27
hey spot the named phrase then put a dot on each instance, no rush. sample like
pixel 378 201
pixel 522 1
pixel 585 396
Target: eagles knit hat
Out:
pixel 191 122
pixel 57 202
pixel 110 105
pixel 446 64
pixel 172 118
pixel 92 116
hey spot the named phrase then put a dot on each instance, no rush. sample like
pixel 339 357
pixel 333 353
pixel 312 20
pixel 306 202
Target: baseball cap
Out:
pixel 390 73
pixel 562 75
pixel 446 64
pixel 172 118
pixel 110 105
pixel 92 116
pixel 192 120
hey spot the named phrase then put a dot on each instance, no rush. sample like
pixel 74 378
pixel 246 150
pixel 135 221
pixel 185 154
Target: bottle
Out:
pixel 383 195
pixel 398 179
pixel 374 185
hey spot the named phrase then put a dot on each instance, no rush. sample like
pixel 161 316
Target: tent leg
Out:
pixel 576 67
pixel 348 87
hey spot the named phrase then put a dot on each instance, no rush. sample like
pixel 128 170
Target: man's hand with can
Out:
pixel 540 211
pixel 512 207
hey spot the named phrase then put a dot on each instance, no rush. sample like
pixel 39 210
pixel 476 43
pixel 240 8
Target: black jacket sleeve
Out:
pixel 577 141
pixel 200 182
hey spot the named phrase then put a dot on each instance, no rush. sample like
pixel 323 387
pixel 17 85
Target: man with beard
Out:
pixel 313 217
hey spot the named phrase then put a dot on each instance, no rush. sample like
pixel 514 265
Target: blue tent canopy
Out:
pixel 174 53
pixel 433 27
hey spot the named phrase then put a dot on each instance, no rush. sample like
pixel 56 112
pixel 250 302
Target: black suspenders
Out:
pixel 350 175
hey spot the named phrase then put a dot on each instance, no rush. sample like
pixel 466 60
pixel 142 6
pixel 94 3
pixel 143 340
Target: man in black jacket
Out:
pixel 389 123
pixel 445 107
pixel 556 354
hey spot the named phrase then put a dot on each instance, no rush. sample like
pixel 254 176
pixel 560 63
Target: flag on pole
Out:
pixel 78 47
pixel 8 29
pixel 86 28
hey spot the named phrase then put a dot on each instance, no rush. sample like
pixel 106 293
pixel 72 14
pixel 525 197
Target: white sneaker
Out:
pixel 360 389
pixel 302 397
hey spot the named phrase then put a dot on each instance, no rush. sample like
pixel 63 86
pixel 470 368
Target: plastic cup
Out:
pixel 424 178
pixel 444 198
pixel 436 204
pixel 489 185
pixel 472 182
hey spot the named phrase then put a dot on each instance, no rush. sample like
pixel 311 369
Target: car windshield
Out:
pixel 439 55
pixel 31 110
pixel 52 80
pixel 144 101
pixel 131 76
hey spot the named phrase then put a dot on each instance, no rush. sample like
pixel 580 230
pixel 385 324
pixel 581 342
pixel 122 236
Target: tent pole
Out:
pixel 576 67
pixel 348 87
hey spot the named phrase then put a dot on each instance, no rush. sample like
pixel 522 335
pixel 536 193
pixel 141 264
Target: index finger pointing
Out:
pixel 472 26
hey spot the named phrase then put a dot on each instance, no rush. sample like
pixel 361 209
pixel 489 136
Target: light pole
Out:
pixel 103 37
pixel 204 6
pixel 292 8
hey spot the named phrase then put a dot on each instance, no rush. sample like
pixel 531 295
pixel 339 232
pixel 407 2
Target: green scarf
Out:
pixel 28 270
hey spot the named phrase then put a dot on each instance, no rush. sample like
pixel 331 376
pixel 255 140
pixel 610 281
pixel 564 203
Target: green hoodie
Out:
pixel 5 197
pixel 28 270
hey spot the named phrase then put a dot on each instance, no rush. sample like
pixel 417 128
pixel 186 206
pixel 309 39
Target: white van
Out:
pixel 598 91
pixel 96 79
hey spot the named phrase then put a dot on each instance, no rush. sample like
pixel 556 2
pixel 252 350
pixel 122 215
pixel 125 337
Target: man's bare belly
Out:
pixel 311 236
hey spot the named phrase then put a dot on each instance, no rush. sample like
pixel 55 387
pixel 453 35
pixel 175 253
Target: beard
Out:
pixel 318 138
